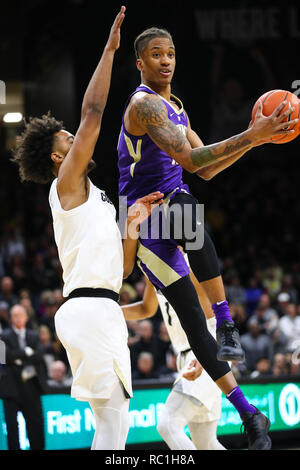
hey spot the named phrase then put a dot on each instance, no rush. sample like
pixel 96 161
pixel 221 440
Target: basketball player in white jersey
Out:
pixel 194 400
pixel 90 324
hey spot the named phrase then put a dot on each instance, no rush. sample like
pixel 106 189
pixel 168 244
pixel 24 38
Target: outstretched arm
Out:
pixel 209 171
pixel 75 164
pixel 151 117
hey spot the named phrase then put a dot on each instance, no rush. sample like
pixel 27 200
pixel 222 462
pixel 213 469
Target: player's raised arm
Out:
pixel 76 162
pixel 150 116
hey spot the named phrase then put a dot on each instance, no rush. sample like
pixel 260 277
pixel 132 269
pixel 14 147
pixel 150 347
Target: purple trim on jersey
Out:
pixel 155 170
pixel 153 279
pixel 168 251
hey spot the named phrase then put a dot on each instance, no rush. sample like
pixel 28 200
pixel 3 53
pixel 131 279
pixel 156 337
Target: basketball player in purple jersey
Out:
pixel 155 143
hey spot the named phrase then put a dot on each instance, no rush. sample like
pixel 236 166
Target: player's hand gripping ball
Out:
pixel 270 101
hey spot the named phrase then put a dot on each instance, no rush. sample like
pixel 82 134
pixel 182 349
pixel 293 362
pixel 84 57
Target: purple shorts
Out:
pixel 158 255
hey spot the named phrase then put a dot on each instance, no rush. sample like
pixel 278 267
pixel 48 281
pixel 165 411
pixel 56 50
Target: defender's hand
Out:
pixel 143 207
pixel 194 370
pixel 113 42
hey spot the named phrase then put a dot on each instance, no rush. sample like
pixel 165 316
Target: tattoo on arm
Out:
pixel 209 154
pixel 153 115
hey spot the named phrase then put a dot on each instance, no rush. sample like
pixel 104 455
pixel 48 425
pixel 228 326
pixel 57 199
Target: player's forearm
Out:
pixel 96 94
pixel 220 152
pixel 135 311
pixel 208 172
pixel 140 310
pixel 130 240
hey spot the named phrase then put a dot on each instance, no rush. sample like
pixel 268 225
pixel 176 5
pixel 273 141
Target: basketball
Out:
pixel 270 100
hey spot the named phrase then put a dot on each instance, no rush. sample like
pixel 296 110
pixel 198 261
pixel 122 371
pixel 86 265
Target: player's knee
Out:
pixel 164 425
pixel 194 319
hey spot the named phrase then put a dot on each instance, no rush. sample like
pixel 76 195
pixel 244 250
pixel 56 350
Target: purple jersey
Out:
pixel 143 166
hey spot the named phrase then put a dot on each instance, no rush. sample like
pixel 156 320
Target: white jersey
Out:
pixel 176 332
pixel 88 241
pixel 203 388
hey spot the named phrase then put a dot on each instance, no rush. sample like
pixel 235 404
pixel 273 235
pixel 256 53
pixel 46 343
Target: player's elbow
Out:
pixel 205 174
pixel 148 311
pixel 126 272
pixel 92 111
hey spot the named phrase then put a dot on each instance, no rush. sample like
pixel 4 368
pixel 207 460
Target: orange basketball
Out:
pixel 270 101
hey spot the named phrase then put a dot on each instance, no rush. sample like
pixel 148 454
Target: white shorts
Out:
pixel 203 389
pixel 94 333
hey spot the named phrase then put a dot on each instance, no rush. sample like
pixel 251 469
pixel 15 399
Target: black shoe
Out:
pixel 228 340
pixel 256 427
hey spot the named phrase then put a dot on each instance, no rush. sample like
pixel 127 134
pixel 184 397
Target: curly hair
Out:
pixel 34 147
pixel 142 39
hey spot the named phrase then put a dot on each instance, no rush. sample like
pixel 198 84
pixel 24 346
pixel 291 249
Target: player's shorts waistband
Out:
pixel 90 292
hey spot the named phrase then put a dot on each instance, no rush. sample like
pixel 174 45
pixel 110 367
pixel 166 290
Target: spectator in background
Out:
pixel 50 309
pixel 236 293
pixel 17 271
pixel 266 317
pixel 283 300
pixel 140 287
pixel 47 347
pixel 2 269
pixel 147 342
pixel 127 294
pixel 163 343
pixel 239 317
pixel 24 380
pixel 169 370
pixel 14 243
pixel 32 317
pixel 58 378
pixel 145 368
pixel 263 368
pixel 288 287
pixel 58 297
pixel 39 275
pixel 279 341
pixel 7 291
pixel 256 345
pixel 253 293
pixel 239 369
pixel 280 366
pixel 293 361
pixel 132 326
pixel 289 325
pixel 4 315
pixel 60 352
pixel 272 282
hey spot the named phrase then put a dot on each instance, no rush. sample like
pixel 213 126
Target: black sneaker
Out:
pixel 256 427
pixel 228 340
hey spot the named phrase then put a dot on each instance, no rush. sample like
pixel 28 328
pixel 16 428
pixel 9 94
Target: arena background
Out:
pixel 226 58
